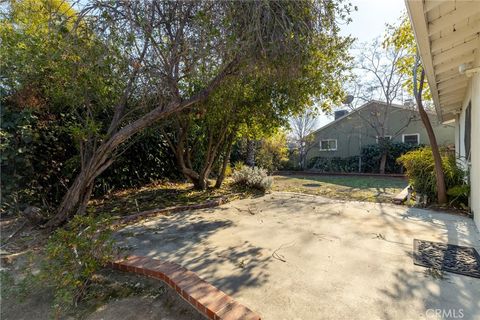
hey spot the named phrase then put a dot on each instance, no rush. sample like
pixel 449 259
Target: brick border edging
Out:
pixel 207 299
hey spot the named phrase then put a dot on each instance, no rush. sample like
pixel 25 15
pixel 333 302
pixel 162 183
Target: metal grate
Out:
pixel 447 257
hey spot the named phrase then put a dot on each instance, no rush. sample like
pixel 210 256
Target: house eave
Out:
pixel 447 33
pixel 415 11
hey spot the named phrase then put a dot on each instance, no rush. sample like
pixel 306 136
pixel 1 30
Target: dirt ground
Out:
pixel 296 256
pixel 114 295
pixel 158 302
pixel 127 297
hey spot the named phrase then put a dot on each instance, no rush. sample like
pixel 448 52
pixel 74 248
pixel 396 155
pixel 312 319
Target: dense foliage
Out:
pixel 370 159
pixel 114 69
pixel 73 255
pixel 147 159
pixel 334 164
pixel 371 155
pixel 420 169
pixel 272 152
pixel 37 158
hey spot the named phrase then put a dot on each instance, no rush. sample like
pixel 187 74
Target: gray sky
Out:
pixel 368 23
pixel 372 15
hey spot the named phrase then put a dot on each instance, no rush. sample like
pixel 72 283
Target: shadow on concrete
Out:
pixel 173 238
pixel 455 296
pixel 232 268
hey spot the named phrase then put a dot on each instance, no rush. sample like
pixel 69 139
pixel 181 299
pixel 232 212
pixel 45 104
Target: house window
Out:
pixel 328 145
pixel 413 138
pixel 387 138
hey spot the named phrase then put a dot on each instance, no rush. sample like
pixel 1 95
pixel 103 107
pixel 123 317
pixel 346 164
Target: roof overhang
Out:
pixel 448 35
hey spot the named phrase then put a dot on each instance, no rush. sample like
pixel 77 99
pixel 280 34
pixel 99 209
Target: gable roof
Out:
pixel 363 106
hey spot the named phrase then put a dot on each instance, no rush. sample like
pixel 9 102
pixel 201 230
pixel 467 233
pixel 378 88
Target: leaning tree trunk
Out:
pixel 76 199
pixel 78 194
pixel 439 175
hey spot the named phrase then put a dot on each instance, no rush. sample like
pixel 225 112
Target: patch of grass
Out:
pixel 374 189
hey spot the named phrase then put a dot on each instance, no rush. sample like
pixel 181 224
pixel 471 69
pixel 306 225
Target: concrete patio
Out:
pixel 295 256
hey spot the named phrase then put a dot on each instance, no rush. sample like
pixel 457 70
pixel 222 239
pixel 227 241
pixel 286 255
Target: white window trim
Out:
pixel 386 136
pixel 411 134
pixel 321 140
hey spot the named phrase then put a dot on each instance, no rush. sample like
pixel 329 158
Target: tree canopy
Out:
pixel 117 68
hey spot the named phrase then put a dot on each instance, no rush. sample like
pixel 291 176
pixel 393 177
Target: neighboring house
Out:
pixel 448 39
pixel 349 132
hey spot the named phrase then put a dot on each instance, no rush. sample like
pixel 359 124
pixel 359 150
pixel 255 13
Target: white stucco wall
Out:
pixel 473 96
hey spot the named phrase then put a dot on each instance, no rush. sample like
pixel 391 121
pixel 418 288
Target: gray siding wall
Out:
pixel 353 131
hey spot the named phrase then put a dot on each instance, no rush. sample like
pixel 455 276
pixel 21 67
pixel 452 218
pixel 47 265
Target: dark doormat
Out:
pixel 447 257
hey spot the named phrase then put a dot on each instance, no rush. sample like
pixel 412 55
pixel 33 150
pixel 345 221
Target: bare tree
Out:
pixel 379 78
pixel 302 127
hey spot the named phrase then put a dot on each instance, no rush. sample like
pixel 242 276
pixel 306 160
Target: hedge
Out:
pixel 370 158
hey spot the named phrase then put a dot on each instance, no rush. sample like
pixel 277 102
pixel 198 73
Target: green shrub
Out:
pixel 334 164
pixel 370 160
pixel 420 168
pixel 148 159
pixel 34 153
pixel 38 159
pixel 272 152
pixel 458 195
pixel 255 178
pixel 371 155
pixel 73 255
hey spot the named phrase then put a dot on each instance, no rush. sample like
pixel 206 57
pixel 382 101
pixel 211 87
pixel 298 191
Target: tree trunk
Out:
pixel 202 183
pixel 226 160
pixel 383 162
pixel 82 209
pixel 78 195
pixel 439 175
pixel 250 161
pixel 301 156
